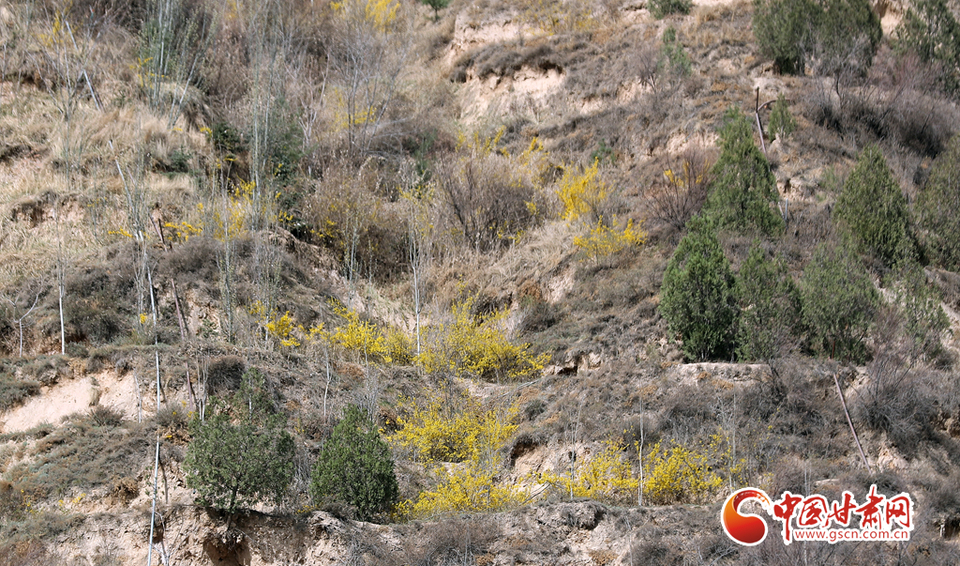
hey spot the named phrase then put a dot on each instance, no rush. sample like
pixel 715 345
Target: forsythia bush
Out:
pixel 607 476
pixel 358 336
pixel 379 13
pixel 453 429
pixel 477 347
pixel 466 487
pixel 603 240
pixel 689 475
pixel 362 338
pixel 581 193
pixel 282 328
pixel 457 429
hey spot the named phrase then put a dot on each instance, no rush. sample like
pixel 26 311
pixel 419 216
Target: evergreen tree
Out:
pixel 785 31
pixel 770 305
pixel 839 303
pixel 355 466
pixel 930 30
pixel 436 5
pixel 839 37
pixel 241 454
pixel 782 123
pixel 698 298
pixel 874 209
pixel 744 189
pixel 847 36
pixel 937 206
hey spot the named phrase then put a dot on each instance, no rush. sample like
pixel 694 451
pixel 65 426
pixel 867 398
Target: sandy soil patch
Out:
pixel 73 396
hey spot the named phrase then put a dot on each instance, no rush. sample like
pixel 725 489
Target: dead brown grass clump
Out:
pixel 482 204
pixel 224 374
pixel 682 190
pixel 457 541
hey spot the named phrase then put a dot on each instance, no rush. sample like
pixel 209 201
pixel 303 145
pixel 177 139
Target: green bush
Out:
pixel 785 31
pixel 744 189
pixel 920 311
pixel 937 206
pixel 436 5
pixel 839 303
pixel 663 8
pixel 698 298
pixel 770 307
pixel 847 35
pixel 355 467
pixel 874 209
pixel 839 36
pixel 240 454
pixel 782 123
pixel 930 30
pixel 675 60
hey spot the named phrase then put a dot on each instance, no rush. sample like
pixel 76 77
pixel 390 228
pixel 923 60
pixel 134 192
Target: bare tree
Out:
pixel 19 314
pixel 367 59
pixel 683 189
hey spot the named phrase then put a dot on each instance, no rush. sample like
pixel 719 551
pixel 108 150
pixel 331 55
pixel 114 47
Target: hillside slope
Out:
pixel 466 223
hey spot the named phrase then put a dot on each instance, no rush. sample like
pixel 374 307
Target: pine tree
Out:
pixel 241 454
pixel 698 298
pixel 874 209
pixel 839 303
pixel 937 206
pixel 744 189
pixel 355 466
pixel 770 305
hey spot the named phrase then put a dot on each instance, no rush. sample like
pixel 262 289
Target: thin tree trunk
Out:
pixel 850 422
pixel 156 467
pixel 181 321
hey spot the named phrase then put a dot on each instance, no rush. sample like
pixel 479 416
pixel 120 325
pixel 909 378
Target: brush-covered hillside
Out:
pixel 382 282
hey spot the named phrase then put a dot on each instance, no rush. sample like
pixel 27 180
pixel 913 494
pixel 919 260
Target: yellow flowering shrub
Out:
pixel 581 192
pixel 398 347
pixel 679 474
pixel 477 346
pixel 605 477
pixel 455 428
pixel 603 240
pixel 452 428
pixel 181 232
pixel 358 336
pixel 282 328
pixel 466 487
pixel 379 13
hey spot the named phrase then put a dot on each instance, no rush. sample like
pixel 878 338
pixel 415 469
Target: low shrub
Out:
pixel 680 194
pixel 663 8
pixel 105 416
pixel 355 466
pixel 452 541
pixel 84 455
pixel 14 391
pixel 897 401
